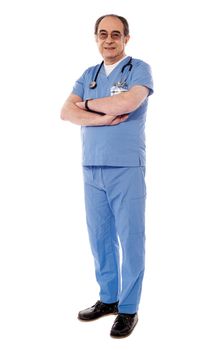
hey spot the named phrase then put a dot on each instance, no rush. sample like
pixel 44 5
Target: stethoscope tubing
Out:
pixel 93 83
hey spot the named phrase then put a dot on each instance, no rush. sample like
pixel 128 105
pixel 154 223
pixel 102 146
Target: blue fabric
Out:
pixel 114 186
pixel 115 208
pixel 122 144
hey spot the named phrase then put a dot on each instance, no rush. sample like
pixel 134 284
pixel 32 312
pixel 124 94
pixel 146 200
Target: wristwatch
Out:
pixel 90 110
pixel 87 107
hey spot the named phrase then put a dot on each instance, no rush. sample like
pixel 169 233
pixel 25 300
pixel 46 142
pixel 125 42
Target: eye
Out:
pixel 103 35
pixel 116 35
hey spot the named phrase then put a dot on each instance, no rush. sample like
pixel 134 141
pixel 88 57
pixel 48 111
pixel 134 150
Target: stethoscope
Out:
pixel 93 83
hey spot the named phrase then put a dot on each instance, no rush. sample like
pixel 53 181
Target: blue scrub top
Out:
pixel 122 144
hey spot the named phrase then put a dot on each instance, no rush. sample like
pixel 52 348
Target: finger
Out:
pixel 80 105
pixel 116 121
pixel 119 120
pixel 124 117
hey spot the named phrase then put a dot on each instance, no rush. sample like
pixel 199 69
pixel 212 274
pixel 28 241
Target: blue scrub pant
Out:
pixel 115 212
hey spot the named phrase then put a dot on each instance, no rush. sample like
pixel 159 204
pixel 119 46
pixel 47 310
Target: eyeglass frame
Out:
pixel 106 35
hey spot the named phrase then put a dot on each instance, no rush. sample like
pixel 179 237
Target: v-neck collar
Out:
pixel 114 73
pixel 114 65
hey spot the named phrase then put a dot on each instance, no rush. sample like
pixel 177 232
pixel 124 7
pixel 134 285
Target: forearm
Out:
pixel 70 112
pixel 123 103
pixel 78 116
pixel 114 105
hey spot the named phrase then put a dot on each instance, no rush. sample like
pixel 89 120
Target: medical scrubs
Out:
pixel 113 159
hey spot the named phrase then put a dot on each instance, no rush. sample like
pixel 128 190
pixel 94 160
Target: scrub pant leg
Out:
pixel 115 207
pixel 102 235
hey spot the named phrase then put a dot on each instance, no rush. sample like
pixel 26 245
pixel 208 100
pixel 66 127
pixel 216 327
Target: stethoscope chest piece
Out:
pixel 93 84
pixel 120 84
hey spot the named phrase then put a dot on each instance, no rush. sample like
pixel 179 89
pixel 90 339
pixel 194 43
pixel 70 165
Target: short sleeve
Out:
pixel 142 75
pixel 78 88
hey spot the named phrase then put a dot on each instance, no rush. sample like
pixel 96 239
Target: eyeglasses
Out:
pixel 115 35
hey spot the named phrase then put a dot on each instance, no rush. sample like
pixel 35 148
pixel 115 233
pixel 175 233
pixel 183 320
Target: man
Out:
pixel 109 101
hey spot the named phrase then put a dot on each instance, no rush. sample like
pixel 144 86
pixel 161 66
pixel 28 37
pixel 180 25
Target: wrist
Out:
pixel 86 105
pixel 90 110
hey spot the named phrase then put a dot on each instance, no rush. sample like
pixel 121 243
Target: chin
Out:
pixel 108 57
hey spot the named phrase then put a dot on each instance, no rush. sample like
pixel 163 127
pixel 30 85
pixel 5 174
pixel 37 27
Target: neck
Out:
pixel 109 61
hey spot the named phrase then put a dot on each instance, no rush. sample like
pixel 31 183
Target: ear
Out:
pixel 96 38
pixel 127 39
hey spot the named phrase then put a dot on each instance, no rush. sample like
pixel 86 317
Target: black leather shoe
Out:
pixel 98 310
pixel 124 325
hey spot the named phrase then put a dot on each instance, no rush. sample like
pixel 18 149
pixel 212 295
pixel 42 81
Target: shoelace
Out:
pixel 100 305
pixel 97 305
pixel 126 320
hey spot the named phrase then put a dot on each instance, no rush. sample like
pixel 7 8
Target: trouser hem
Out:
pixel 130 309
pixel 113 301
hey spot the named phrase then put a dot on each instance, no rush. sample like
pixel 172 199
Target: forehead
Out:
pixel 110 24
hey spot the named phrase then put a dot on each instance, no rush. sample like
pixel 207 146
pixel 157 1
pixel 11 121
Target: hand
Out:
pixel 81 105
pixel 113 120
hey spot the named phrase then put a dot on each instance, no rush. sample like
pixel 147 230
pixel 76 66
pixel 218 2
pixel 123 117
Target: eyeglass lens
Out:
pixel 115 35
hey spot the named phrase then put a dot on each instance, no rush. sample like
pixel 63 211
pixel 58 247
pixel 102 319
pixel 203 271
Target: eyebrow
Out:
pixel 105 31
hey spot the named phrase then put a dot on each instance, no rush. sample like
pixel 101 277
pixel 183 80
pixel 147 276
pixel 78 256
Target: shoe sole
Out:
pixel 95 319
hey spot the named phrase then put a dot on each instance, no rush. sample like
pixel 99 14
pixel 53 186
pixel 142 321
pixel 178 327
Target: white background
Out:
pixel 47 272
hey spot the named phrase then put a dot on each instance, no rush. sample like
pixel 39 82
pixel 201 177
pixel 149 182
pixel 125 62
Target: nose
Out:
pixel 109 39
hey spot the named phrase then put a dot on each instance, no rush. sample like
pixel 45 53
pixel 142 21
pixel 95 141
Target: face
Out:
pixel 111 40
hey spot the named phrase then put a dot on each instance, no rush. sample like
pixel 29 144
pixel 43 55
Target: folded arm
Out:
pixel 71 112
pixel 123 103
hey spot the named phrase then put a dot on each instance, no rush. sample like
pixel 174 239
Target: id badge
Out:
pixel 118 88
